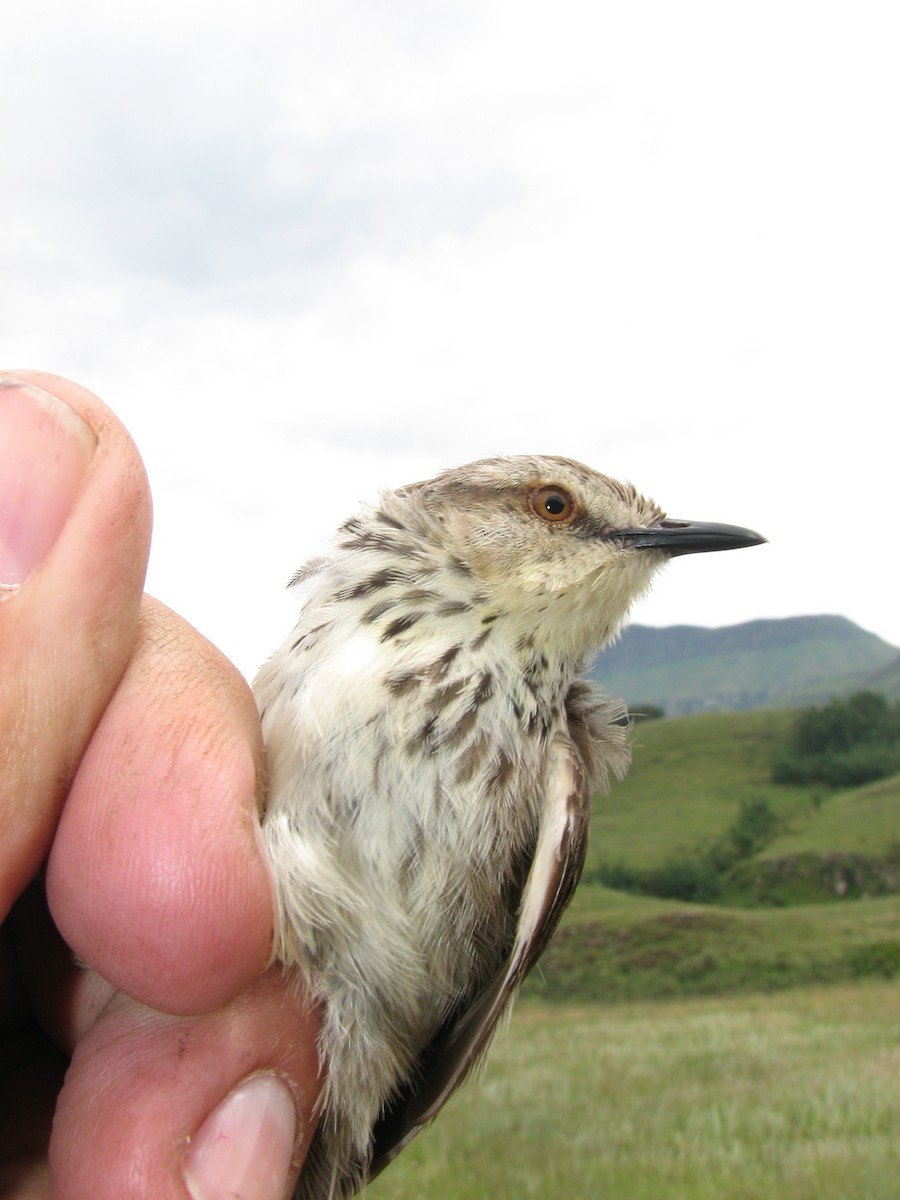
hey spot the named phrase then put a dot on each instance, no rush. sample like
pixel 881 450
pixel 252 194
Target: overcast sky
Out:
pixel 308 250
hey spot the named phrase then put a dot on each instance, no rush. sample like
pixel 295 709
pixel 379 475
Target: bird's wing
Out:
pixel 464 1037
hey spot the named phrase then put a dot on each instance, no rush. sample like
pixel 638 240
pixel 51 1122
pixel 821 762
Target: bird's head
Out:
pixel 552 540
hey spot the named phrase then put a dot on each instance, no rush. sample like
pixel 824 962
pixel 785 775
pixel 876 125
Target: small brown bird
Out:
pixel 431 755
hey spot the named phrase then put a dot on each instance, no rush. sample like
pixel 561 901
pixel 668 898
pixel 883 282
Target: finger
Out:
pixel 234 1116
pixel 222 1101
pixel 157 877
pixel 74 535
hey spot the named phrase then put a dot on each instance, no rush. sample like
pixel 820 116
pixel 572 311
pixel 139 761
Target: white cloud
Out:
pixel 308 250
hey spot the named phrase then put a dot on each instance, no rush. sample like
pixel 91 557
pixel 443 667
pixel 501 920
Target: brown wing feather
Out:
pixel 462 1040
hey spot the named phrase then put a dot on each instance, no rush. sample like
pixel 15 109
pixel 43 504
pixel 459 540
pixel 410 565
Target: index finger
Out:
pixel 157 876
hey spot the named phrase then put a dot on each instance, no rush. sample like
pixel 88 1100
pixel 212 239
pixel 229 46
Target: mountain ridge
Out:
pixel 781 662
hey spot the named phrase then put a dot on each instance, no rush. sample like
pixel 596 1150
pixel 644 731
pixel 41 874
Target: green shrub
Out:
pixel 685 878
pixel 697 876
pixel 843 744
pixel 880 960
pixel 755 824
pixel 617 875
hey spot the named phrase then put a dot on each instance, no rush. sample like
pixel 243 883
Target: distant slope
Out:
pixel 886 680
pixel 687 779
pixel 690 775
pixel 759 664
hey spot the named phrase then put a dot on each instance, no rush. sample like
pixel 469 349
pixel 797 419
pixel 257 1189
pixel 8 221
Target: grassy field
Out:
pixel 614 947
pixel 792 1096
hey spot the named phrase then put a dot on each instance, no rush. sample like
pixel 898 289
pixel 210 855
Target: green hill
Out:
pixel 789 914
pixel 865 820
pixel 771 663
pixel 689 777
pixel 687 780
pixel 886 680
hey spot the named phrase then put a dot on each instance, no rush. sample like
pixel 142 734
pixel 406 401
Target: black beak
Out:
pixel 689 537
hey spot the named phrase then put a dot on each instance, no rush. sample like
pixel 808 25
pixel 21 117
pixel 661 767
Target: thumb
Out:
pixel 74 536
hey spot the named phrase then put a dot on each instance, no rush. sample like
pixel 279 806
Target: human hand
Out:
pixel 131 760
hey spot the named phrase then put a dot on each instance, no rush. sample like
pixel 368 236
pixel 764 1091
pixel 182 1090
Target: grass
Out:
pixel 688 777
pixel 688 781
pixel 614 947
pixel 785 1097
pixel 865 820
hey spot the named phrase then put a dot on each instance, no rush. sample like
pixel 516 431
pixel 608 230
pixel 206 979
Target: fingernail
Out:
pixel 245 1148
pixel 45 448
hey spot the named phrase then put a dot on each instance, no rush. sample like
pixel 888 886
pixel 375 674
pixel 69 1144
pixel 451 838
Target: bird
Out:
pixel 431 751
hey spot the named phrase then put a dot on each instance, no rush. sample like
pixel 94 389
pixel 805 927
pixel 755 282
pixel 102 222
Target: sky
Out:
pixel 307 251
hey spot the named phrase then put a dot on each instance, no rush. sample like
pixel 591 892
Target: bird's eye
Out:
pixel 552 504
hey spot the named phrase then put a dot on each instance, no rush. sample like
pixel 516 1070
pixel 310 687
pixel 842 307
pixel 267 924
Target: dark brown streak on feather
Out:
pixel 417 595
pixel 443 696
pixel 471 758
pixel 461 729
pixel 482 638
pixel 359 536
pixel 460 567
pixel 422 742
pixel 307 640
pixel 400 625
pixel 452 608
pixel 441 666
pixel 484 690
pixel 403 682
pixel 373 583
pixel 501 773
pixel 377 610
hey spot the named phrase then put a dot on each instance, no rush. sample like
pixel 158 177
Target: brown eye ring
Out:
pixel 552 504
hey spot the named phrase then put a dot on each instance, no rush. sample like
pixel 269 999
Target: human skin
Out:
pixel 129 793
